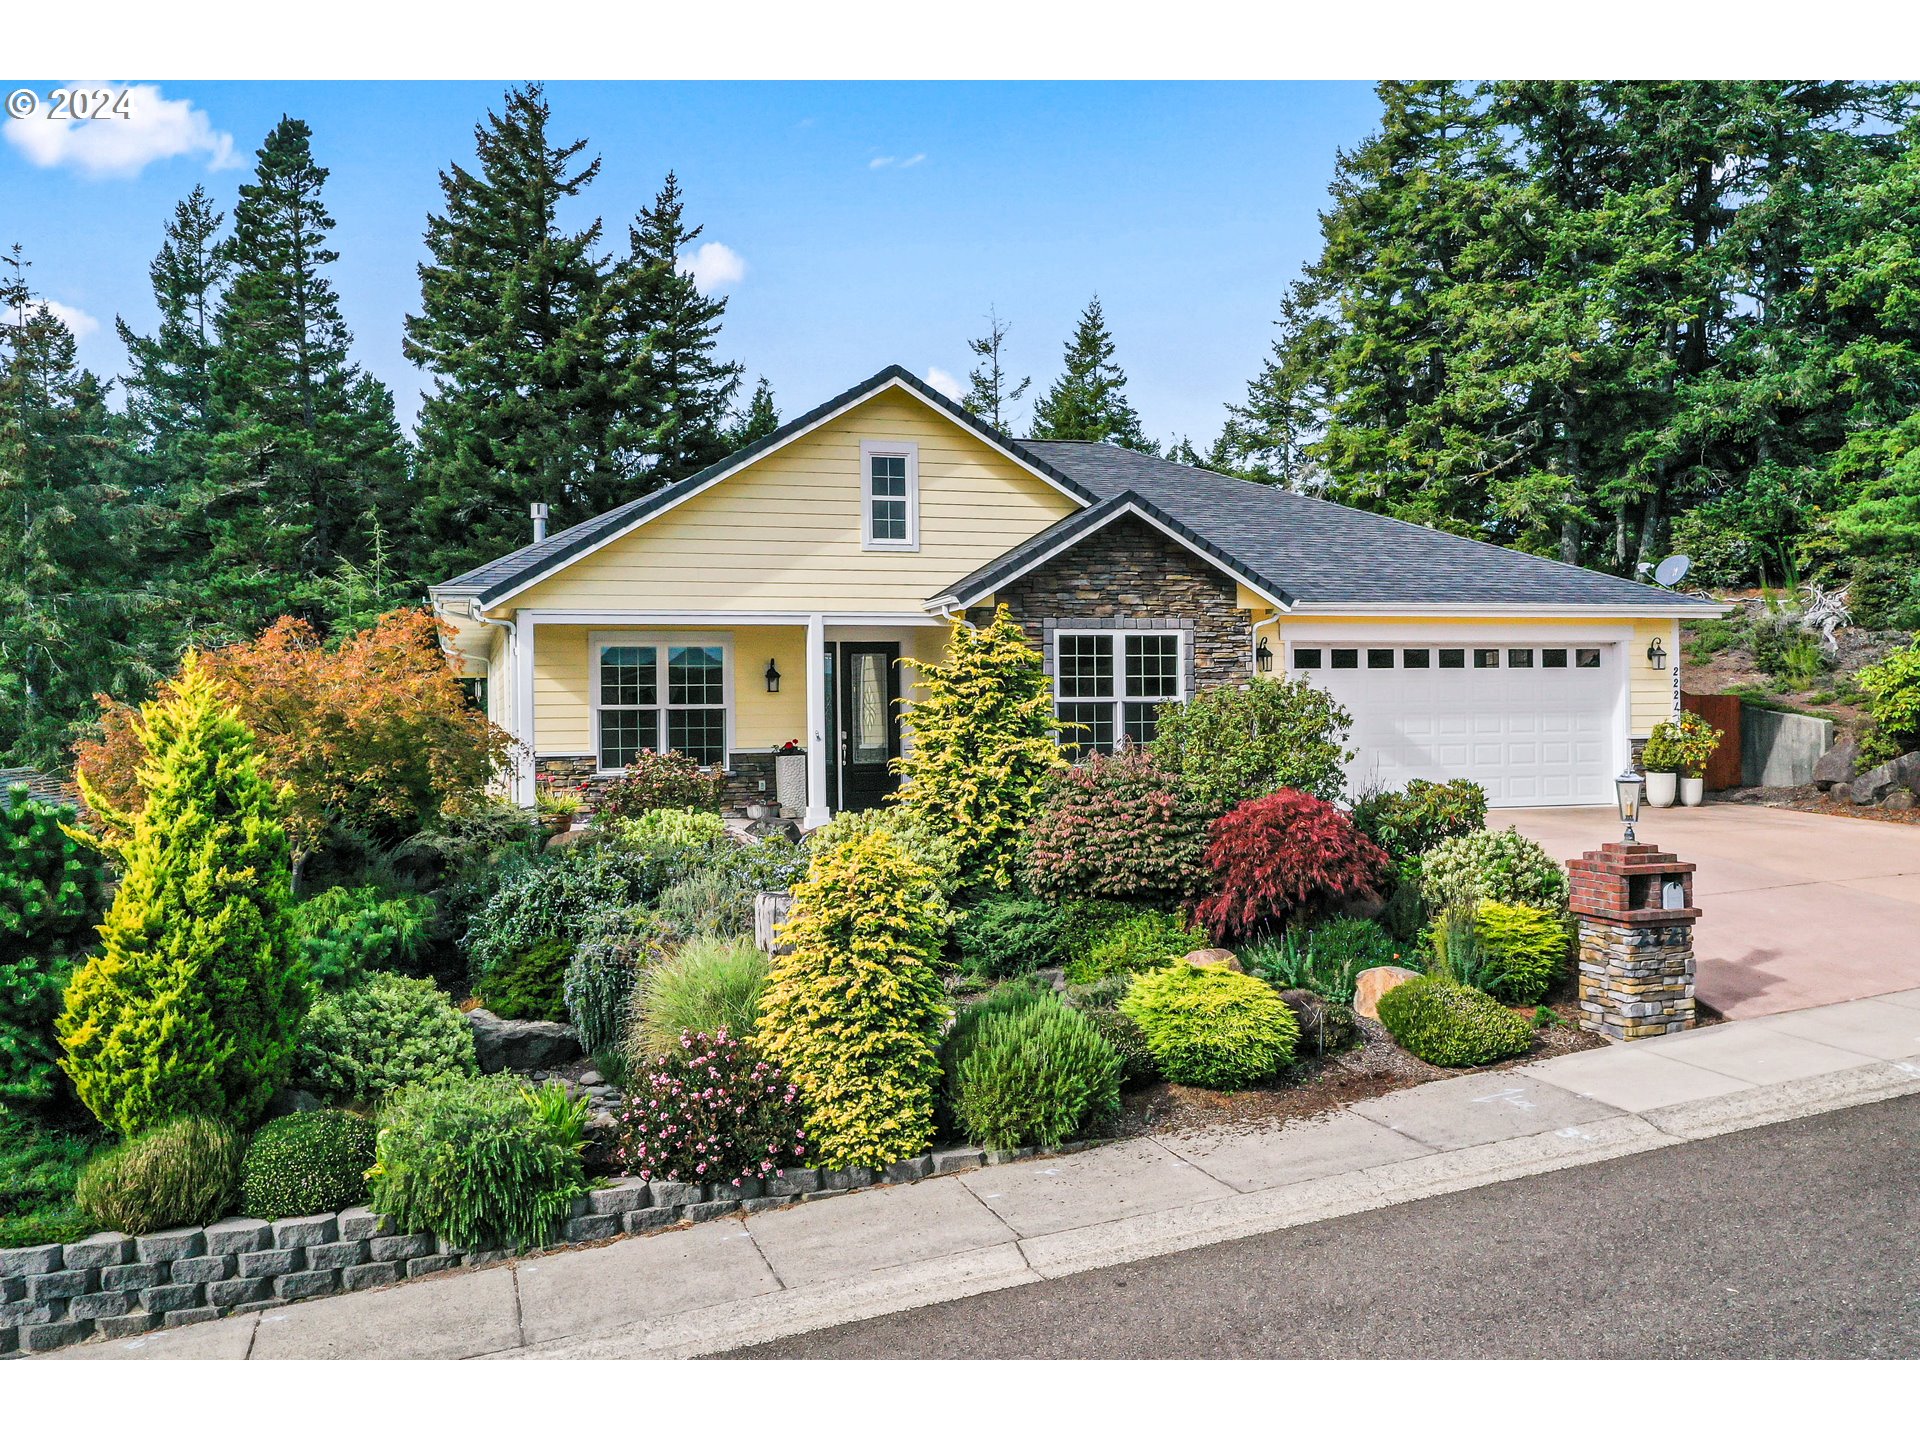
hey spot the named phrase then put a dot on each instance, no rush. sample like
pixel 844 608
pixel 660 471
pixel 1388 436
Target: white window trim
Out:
pixel 599 640
pixel 1120 696
pixel 910 452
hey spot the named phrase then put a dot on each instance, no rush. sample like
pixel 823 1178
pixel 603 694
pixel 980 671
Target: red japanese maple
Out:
pixel 1283 857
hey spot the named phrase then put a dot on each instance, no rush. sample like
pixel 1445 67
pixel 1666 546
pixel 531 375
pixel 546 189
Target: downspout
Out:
pixel 475 614
pixel 1253 641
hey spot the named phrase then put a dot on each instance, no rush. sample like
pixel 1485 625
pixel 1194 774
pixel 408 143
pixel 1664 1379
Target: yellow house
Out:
pixel 768 600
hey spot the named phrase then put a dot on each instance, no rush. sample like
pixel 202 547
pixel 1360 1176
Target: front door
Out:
pixel 867 711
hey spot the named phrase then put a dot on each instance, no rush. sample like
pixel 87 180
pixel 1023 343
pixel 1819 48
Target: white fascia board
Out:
pixel 893 383
pixel 724 617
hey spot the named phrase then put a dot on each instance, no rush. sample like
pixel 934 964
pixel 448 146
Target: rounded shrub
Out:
pixel 853 1011
pixel 1128 941
pixel 1501 865
pixel 185 1172
pixel 385 1033
pixel 1409 822
pixel 343 933
pixel 709 1110
pixel 1212 1027
pixel 305 1163
pixel 707 986
pixel 1034 1074
pixel 656 781
pixel 1527 947
pixel 1448 1024
pixel 1119 826
pixel 685 827
pixel 1282 858
pixel 530 985
pixel 1232 743
pixel 485 1163
pixel 1005 935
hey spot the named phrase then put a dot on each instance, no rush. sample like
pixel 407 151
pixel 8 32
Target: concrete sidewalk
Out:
pixel 734 1281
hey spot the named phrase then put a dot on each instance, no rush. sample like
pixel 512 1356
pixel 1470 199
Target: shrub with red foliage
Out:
pixel 1119 828
pixel 1283 857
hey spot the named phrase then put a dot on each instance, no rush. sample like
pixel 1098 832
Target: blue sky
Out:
pixel 863 224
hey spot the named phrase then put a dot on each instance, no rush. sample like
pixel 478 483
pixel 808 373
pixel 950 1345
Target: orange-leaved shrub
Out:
pixel 1284 857
pixel 1120 828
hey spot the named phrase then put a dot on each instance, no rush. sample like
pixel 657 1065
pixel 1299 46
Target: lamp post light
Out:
pixel 1627 791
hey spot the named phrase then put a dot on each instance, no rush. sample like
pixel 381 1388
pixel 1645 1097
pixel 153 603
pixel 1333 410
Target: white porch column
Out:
pixel 523 780
pixel 817 737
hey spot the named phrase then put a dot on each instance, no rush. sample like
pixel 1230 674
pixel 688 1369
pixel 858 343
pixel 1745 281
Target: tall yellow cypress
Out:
pixel 194 1002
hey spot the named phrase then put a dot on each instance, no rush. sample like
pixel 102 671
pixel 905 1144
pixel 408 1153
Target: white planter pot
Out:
pixel 1660 789
pixel 790 781
pixel 1693 790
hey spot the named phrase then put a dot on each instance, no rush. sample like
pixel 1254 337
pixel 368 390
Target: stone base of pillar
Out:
pixel 1635 981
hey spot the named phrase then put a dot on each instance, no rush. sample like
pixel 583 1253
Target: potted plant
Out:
pixel 790 775
pixel 557 808
pixel 1660 762
pixel 1695 741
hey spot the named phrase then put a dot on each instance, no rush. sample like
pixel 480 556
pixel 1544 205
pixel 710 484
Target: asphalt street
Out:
pixel 1794 1240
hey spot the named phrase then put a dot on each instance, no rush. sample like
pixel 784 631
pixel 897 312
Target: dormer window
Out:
pixel 889 496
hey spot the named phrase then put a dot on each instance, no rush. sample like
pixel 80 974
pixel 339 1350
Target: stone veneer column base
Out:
pixel 1636 946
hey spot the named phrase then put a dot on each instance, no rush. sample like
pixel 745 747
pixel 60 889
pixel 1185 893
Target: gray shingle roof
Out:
pixel 1295 547
pixel 1327 554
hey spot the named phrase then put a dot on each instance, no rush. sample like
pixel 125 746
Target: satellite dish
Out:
pixel 1672 570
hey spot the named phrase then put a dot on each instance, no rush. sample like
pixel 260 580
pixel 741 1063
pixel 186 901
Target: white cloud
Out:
pixel 945 383
pixel 713 267
pixel 913 160
pixel 112 144
pixel 894 162
pixel 72 316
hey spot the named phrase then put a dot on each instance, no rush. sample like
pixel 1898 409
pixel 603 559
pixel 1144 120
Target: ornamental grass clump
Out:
pixel 711 1111
pixel 386 1033
pixel 1034 1073
pixel 1448 1024
pixel 1212 1027
pixel 184 1172
pixel 707 986
pixel 193 1004
pixel 484 1163
pixel 853 1011
pixel 306 1163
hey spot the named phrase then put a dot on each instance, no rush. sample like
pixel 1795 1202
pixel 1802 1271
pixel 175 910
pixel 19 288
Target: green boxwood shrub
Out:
pixel 386 1033
pixel 1035 1073
pixel 1129 941
pixel 306 1163
pixel 1212 1027
pixel 707 986
pixel 1006 935
pixel 1501 865
pixel 483 1163
pixel 530 985
pixel 1448 1024
pixel 1529 947
pixel 184 1172
pixel 1412 821
pixel 344 933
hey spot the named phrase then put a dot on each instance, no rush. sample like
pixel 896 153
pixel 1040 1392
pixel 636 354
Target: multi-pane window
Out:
pixel 888 498
pixel 660 697
pixel 1109 685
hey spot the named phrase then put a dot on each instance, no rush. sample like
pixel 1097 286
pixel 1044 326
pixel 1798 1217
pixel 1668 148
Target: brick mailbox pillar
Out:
pixel 1635 909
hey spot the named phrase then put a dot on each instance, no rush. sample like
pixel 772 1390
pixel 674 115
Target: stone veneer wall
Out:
pixel 1131 575
pixel 568 772
pixel 112 1286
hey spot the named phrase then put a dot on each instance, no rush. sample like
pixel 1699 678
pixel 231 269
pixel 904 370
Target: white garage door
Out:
pixel 1534 724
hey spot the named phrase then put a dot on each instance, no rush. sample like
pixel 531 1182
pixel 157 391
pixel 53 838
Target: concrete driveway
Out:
pixel 1799 909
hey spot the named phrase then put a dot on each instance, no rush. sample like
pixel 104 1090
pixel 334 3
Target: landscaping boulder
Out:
pixel 1370 985
pixel 1901 799
pixel 1837 768
pixel 523 1045
pixel 1876 784
pixel 1214 959
pixel 578 835
pixel 1325 1025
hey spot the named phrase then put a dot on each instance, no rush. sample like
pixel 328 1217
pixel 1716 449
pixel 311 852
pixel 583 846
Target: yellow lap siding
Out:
pixel 784 533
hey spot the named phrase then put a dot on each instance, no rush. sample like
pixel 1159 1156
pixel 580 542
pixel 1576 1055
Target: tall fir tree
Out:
pixel 991 391
pixel 308 442
pixel 516 329
pixel 1089 400
pixel 669 333
pixel 759 420
pixel 73 613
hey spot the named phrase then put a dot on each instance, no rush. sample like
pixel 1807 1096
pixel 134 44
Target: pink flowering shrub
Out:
pixel 711 1112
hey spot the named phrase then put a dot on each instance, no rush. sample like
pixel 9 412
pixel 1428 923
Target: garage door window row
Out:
pixel 1446 658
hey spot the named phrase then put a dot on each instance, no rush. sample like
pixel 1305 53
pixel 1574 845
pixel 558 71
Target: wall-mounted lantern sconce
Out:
pixel 1657 654
pixel 773 678
pixel 1263 656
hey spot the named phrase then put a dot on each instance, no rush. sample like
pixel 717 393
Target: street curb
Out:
pixel 739 1324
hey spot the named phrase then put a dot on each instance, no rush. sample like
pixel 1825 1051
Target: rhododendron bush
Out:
pixel 1119 827
pixel 712 1112
pixel 1284 857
